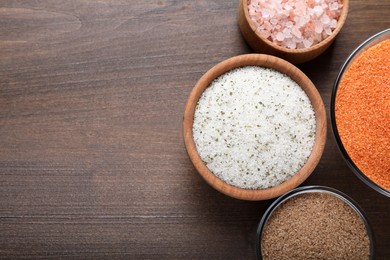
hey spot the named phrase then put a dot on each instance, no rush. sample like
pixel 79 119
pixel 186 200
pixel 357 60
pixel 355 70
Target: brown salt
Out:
pixel 315 226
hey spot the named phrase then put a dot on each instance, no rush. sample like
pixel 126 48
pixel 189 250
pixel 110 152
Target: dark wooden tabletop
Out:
pixel 92 159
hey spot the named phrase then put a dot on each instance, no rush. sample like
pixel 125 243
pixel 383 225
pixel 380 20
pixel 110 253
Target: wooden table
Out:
pixel 92 160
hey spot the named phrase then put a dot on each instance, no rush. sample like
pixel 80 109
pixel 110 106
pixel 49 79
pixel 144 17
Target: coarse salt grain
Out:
pixel 254 127
pixel 315 20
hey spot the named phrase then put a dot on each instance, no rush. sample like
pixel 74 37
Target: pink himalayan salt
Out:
pixel 295 24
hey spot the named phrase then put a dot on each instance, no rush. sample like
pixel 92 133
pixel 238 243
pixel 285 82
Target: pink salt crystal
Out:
pixel 296 32
pixel 307 43
pixel 273 21
pixel 289 24
pixel 333 24
pixel 280 36
pixel 287 33
pixel 317 37
pixel 306 18
pixel 265 13
pixel 278 7
pixel 327 30
pixel 318 10
pixel 267 26
pixel 325 19
pixel 296 20
pixel 264 33
pixel 271 13
pixel 300 45
pixel 318 27
pixel 290 44
pixel 333 6
pixel 300 21
pixel 287 7
pixel 300 7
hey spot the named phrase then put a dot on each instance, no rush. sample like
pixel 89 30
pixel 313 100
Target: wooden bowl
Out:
pixel 295 74
pixel 263 45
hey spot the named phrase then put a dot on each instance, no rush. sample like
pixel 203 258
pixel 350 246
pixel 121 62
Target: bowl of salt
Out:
pixel 295 30
pixel 254 127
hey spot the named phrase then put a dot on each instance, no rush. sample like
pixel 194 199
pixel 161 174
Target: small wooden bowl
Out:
pixel 263 45
pixel 264 61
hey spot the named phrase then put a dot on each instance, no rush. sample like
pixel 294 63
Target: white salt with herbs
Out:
pixel 254 127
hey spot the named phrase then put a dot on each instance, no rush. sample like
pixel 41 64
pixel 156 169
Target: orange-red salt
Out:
pixel 362 111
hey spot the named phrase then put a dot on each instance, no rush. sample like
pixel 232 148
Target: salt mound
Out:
pixel 254 127
pixel 295 24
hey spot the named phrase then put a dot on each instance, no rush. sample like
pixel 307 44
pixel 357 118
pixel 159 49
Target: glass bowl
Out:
pixel 311 189
pixel 373 40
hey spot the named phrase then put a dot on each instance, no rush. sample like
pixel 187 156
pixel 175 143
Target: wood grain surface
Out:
pixel 92 158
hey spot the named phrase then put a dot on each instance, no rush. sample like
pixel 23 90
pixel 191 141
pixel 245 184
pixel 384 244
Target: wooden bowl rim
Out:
pixel 340 24
pixel 278 64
